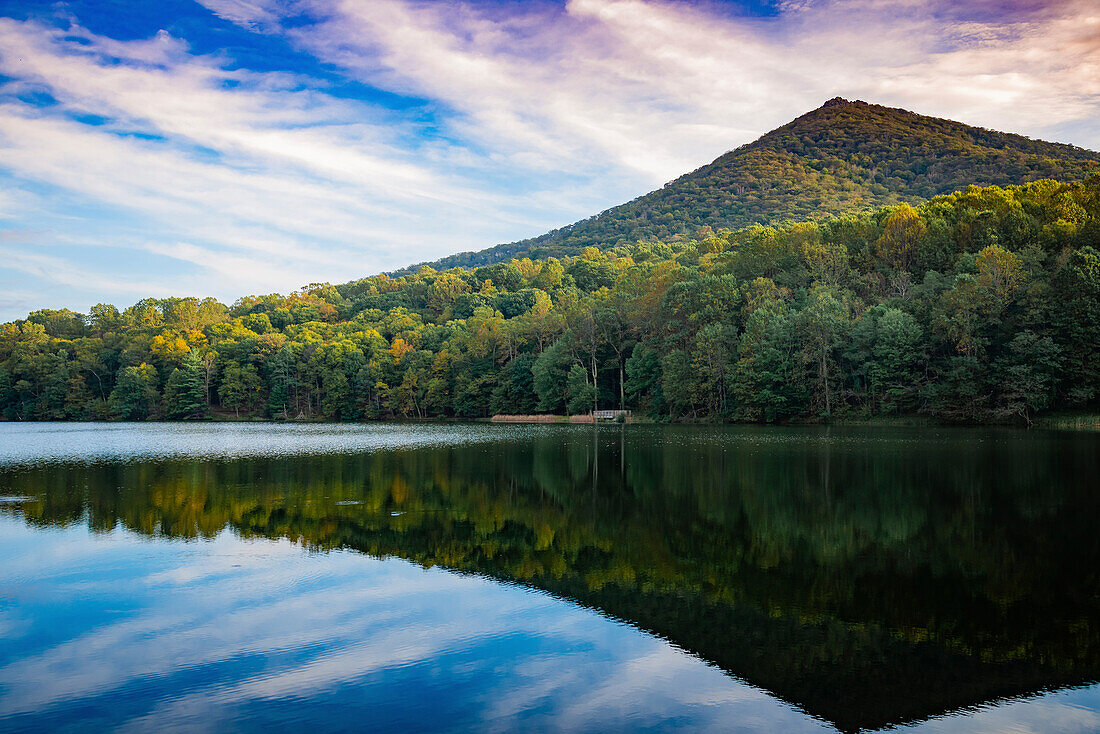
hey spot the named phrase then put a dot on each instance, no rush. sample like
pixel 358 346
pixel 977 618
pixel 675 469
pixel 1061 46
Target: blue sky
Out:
pixel 229 147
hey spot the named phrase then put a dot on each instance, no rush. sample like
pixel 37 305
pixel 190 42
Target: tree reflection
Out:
pixel 870 578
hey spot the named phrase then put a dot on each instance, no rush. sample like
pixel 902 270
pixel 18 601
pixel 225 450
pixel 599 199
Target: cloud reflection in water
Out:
pixel 239 634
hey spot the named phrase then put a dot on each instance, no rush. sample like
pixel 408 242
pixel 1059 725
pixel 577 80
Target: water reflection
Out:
pixel 868 577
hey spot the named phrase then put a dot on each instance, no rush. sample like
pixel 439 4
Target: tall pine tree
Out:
pixel 184 394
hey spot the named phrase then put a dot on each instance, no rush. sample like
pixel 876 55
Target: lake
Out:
pixel 243 577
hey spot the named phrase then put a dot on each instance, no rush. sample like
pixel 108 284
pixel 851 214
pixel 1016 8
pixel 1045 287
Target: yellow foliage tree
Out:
pixel 1000 272
pixel 903 231
pixel 399 349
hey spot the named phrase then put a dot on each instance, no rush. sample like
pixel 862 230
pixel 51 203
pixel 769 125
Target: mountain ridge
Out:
pixel 844 156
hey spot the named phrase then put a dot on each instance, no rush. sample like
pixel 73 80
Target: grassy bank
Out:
pixel 1084 421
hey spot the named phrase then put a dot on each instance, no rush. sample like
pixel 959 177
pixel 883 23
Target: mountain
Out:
pixel 843 156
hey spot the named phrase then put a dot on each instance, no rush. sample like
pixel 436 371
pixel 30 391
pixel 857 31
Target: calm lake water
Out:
pixel 223 577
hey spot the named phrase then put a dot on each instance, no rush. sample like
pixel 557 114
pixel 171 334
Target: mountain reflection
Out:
pixel 870 577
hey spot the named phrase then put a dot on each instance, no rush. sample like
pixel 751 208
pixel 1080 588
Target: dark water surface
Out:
pixel 496 578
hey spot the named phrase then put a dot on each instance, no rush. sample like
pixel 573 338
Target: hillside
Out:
pixel 843 156
pixel 978 306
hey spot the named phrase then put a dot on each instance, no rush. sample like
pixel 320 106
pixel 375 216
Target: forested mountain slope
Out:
pixel 983 305
pixel 844 156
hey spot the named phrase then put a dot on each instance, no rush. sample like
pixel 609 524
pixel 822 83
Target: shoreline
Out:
pixel 1082 421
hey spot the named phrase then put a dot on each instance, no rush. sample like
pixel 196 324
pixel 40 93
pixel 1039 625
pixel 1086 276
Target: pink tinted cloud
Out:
pixel 657 88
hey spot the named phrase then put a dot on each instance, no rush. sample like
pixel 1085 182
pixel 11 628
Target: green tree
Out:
pixel 822 325
pixel 767 380
pixel 1076 318
pixel 515 390
pixel 714 358
pixel 1027 376
pixel 549 374
pixel 678 383
pixel 581 393
pixel 239 388
pixel 643 380
pixel 883 354
pixel 901 238
pixel 7 395
pixel 184 393
pixel 135 395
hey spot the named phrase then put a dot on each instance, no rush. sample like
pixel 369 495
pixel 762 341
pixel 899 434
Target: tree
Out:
pixel 714 356
pixel 591 275
pixel 902 233
pixel 184 395
pixel 135 395
pixel 584 327
pixel 958 317
pixel 209 367
pixel 822 324
pixel 581 393
pixel 103 318
pixel 827 263
pixel 767 381
pixel 678 383
pixel 7 395
pixel 960 393
pixel 411 394
pixel 883 353
pixel 1026 376
pixel 1076 317
pixel 550 275
pixel 444 290
pixel 643 380
pixel 1000 274
pixel 515 390
pixel 613 320
pixel 240 387
pixel 541 324
pixel 280 379
pixel 549 374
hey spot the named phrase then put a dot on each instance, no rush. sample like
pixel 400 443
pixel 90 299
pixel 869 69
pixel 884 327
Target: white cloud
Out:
pixel 62 272
pixel 243 12
pixel 530 116
pixel 658 88
pixel 248 182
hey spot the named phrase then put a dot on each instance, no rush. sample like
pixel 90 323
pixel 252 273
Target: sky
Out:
pixel 232 147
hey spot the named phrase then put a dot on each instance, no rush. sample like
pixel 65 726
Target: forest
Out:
pixel 977 306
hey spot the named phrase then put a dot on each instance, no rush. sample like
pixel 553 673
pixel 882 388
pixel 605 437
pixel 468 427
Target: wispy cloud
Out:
pixel 657 86
pixel 509 119
pixel 299 628
pixel 248 181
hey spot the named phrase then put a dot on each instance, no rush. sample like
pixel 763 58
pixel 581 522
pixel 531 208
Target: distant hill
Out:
pixel 840 157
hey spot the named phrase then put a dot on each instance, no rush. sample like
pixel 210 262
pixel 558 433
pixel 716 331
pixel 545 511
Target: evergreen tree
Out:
pixel 135 395
pixel 184 393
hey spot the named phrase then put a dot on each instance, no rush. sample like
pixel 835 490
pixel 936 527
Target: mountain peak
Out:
pixel 845 156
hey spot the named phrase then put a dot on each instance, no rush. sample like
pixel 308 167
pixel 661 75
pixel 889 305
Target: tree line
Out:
pixel 983 305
